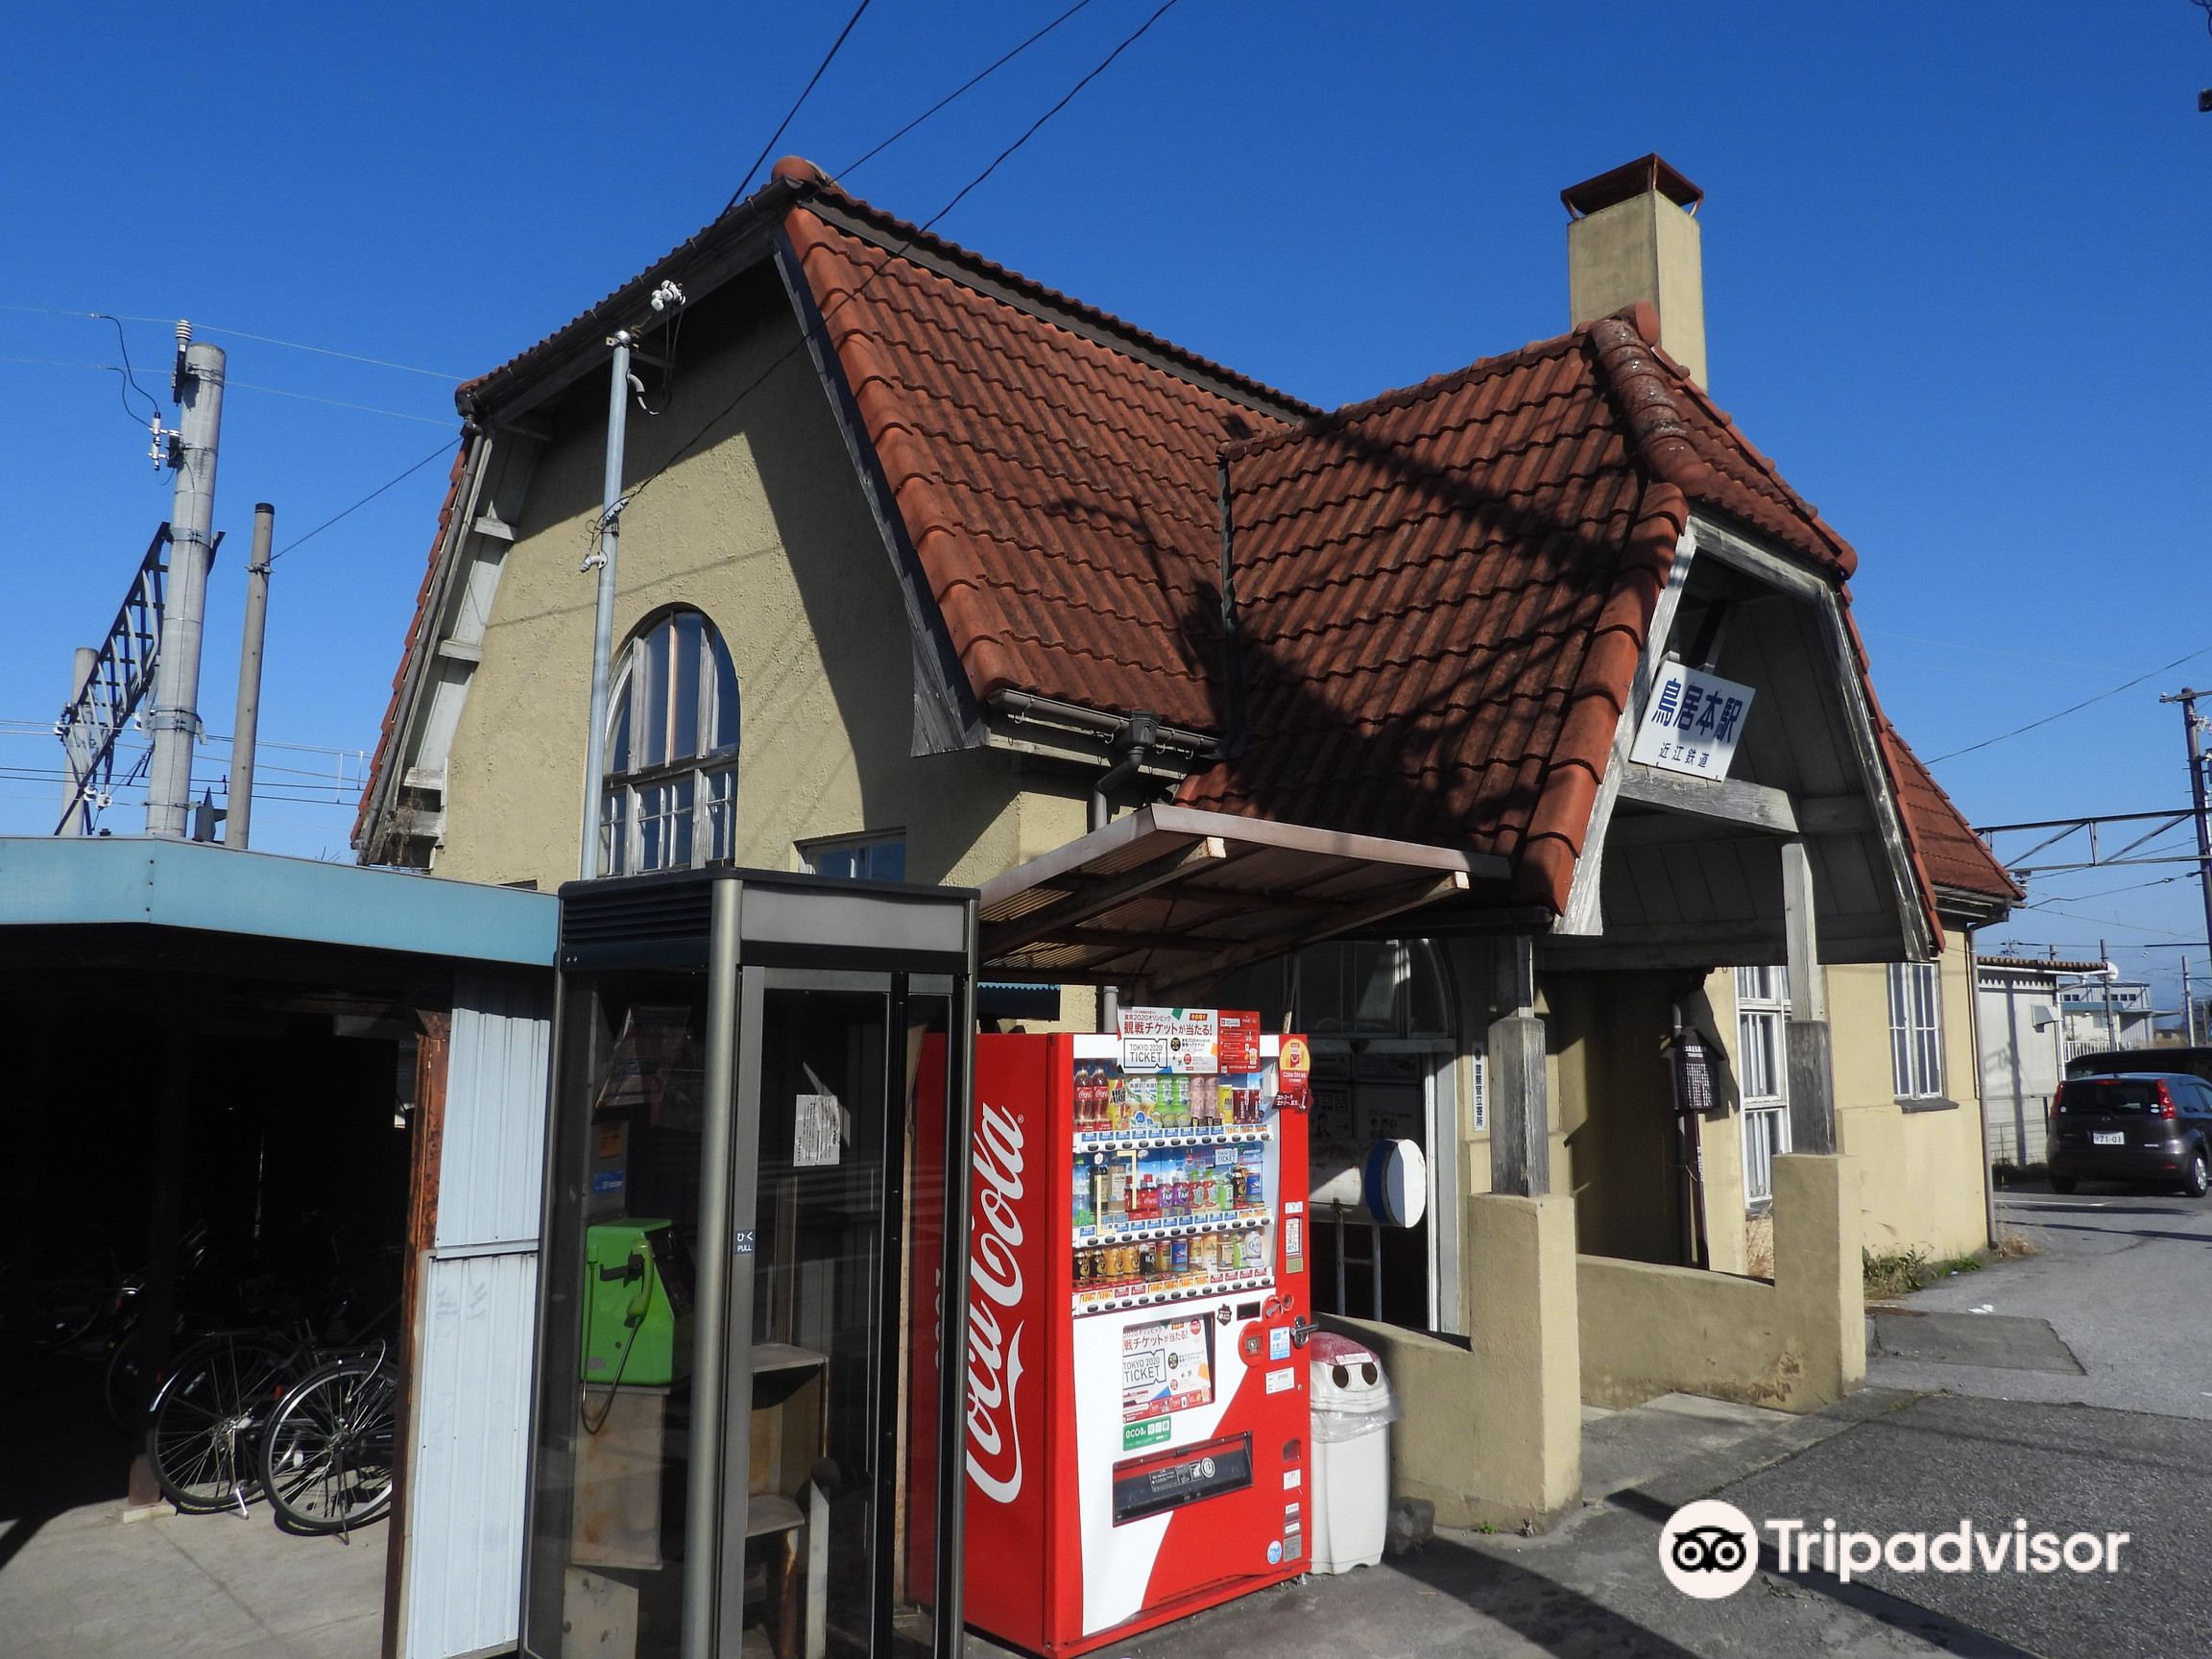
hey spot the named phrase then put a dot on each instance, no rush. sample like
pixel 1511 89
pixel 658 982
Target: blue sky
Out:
pixel 1955 257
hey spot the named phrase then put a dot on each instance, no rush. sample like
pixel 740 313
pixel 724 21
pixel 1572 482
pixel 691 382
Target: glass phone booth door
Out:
pixel 739 1139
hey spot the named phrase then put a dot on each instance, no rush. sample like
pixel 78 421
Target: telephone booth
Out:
pixel 733 1451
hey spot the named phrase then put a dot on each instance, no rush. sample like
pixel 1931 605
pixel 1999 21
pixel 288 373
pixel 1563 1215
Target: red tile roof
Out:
pixel 1058 483
pixel 388 730
pixel 1443 595
pixel 1951 854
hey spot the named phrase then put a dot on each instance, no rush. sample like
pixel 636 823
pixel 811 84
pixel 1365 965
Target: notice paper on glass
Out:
pixel 819 1133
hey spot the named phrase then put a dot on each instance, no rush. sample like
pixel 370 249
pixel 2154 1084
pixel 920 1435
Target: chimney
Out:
pixel 1632 234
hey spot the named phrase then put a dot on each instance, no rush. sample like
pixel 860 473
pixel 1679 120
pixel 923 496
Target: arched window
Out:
pixel 670 797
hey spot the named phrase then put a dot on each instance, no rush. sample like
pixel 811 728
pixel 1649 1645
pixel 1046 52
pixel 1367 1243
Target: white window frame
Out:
pixel 1762 1074
pixel 692 795
pixel 1916 1030
pixel 812 853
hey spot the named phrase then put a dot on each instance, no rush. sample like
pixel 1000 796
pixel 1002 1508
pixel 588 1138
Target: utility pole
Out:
pixel 2188 1007
pixel 2111 973
pixel 2187 698
pixel 239 828
pixel 175 718
pixel 603 615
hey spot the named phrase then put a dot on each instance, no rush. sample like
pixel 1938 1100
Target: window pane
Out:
pixel 655 807
pixel 722 813
pixel 683 813
pixel 834 861
pixel 613 831
pixel 1425 1012
pixel 618 731
pixel 887 860
pixel 724 722
pixel 653 698
pixel 684 696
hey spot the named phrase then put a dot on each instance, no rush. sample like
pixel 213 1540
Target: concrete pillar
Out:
pixel 1518 1300
pixel 1817 1268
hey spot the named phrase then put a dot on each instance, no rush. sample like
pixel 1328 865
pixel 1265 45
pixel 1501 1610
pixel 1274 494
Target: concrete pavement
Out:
pixel 2121 1282
pixel 78 1582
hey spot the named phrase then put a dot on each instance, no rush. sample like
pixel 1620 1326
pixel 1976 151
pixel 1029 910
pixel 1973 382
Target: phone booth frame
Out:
pixel 756 938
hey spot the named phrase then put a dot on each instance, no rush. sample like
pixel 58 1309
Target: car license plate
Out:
pixel 2108 1138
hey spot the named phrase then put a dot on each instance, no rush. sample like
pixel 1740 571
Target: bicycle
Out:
pixel 328 1454
pixel 206 1426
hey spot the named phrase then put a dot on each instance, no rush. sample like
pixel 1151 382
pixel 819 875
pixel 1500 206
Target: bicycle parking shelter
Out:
pixel 197 1032
pixel 749 1220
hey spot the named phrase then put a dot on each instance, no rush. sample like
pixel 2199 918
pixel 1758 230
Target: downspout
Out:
pixel 1136 738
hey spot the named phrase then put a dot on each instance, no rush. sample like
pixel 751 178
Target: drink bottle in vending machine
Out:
pixel 1136 1412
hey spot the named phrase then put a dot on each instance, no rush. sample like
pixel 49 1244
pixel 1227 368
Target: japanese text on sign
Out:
pixel 1185 1039
pixel 1692 723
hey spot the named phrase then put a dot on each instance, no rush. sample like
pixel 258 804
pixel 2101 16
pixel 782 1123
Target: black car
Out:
pixel 2132 1126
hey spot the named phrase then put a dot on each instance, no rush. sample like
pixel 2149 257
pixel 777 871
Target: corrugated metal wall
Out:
pixel 469 1459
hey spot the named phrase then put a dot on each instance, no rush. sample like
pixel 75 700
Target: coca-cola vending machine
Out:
pixel 1137 1411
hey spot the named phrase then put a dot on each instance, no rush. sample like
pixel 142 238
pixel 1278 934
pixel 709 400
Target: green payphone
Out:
pixel 637 1304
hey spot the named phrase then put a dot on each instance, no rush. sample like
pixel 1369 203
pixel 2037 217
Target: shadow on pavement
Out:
pixel 73 1455
pixel 1538 1609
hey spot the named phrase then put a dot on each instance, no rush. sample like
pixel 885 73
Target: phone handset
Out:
pixel 640 1268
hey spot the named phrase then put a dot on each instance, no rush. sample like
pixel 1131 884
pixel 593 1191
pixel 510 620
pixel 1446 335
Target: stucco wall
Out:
pixel 1796 1344
pixel 1924 1177
pixel 764 528
pixel 1612 1104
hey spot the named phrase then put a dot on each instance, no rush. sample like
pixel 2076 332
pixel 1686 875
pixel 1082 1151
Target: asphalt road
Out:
pixel 2065 1469
pixel 2124 1279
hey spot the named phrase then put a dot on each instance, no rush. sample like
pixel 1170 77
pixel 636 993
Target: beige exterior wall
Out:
pixel 765 529
pixel 1795 1344
pixel 1925 1177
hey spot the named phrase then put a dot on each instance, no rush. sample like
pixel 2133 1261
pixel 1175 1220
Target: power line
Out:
pixel 965 87
pixel 2063 712
pixel 818 329
pixel 338 403
pixel 232 385
pixel 364 500
pixel 241 334
pixel 131 377
pixel 836 46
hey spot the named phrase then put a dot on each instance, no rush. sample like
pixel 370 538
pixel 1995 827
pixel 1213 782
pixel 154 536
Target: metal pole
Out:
pixel 75 748
pixel 2188 1007
pixel 713 1318
pixel 2187 698
pixel 2111 973
pixel 603 616
pixel 175 717
pixel 239 828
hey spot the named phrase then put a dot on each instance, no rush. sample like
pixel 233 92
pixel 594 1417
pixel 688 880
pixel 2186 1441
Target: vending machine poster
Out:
pixel 1295 1074
pixel 1171 1040
pixel 1166 1366
pixel 1239 1040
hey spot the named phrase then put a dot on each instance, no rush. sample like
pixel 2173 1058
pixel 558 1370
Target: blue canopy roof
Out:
pixel 145 881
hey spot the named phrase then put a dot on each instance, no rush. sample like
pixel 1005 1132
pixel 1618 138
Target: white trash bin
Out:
pixel 1353 1410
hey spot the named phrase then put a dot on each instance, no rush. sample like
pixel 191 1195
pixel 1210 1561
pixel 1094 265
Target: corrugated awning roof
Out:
pixel 1169 894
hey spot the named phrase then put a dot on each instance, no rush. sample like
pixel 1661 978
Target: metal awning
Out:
pixel 192 889
pixel 1167 895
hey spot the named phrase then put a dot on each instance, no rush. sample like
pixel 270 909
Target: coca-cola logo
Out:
pixel 995 1290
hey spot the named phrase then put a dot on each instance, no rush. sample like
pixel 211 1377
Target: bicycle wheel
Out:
pixel 205 1421
pixel 326 1457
